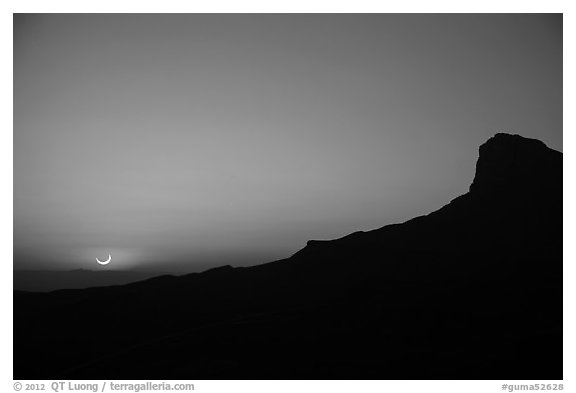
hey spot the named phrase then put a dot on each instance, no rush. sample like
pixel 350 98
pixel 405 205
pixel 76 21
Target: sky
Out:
pixel 179 142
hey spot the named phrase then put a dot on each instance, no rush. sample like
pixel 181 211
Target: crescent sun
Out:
pixel 106 262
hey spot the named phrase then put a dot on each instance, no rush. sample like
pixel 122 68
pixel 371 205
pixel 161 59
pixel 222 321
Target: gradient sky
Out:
pixel 179 142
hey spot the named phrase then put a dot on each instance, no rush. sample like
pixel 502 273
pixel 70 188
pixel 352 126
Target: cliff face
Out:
pixel 511 216
pixel 470 291
pixel 513 164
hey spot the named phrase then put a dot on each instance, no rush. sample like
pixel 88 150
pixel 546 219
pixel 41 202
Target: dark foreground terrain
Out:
pixel 470 291
pixel 46 281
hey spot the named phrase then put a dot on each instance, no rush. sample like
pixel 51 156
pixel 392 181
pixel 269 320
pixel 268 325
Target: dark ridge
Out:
pixel 50 280
pixel 470 291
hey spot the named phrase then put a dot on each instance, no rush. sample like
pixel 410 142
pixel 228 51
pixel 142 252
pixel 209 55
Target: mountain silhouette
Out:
pixel 470 291
pixel 46 280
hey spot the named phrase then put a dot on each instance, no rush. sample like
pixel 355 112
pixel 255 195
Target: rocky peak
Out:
pixel 513 163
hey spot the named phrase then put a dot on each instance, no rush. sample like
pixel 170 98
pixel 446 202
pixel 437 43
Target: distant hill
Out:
pixel 470 291
pixel 50 280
